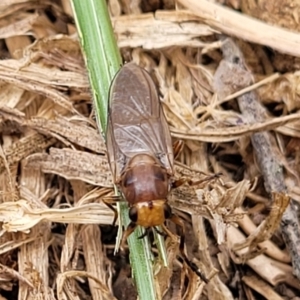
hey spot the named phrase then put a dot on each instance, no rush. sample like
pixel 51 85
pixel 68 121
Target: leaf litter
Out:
pixel 233 103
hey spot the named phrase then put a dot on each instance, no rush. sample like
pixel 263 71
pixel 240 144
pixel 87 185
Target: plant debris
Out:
pixel 234 101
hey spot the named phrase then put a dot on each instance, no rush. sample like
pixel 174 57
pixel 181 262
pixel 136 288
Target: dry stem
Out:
pixel 242 26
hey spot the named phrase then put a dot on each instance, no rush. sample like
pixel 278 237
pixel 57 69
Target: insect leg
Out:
pixel 159 232
pixel 127 233
pixel 181 181
pixel 108 202
pixel 208 178
pixel 144 234
pixel 175 219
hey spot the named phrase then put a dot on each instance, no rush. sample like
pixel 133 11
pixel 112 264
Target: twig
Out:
pixel 274 273
pixel 263 145
pixel 261 287
pixel 242 26
pixel 160 30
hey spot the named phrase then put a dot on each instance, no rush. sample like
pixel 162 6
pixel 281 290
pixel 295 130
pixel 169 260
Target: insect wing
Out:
pixel 136 122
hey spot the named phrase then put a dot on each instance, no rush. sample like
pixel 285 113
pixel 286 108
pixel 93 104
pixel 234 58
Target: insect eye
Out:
pixel 167 211
pixel 133 214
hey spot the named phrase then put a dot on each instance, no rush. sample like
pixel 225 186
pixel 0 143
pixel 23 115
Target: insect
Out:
pixel 140 153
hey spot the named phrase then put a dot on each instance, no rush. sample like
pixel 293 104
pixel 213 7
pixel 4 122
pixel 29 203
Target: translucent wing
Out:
pixel 136 122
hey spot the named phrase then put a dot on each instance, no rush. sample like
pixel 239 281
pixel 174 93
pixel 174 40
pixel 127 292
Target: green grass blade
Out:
pixel 100 51
pixel 103 60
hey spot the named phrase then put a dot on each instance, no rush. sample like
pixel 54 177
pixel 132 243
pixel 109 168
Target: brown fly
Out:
pixel 140 153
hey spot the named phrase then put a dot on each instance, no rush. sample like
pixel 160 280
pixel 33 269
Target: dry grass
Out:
pixel 235 105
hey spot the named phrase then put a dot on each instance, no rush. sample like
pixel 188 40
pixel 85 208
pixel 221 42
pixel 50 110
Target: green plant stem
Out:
pixel 103 60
